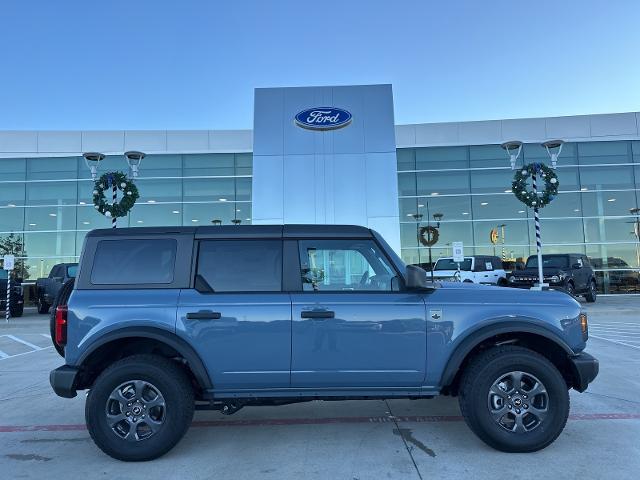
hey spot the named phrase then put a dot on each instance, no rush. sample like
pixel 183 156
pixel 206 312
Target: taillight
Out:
pixel 61 325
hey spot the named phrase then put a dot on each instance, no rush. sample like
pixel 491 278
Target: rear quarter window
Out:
pixel 130 262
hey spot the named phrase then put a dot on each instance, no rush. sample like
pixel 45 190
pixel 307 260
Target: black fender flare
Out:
pixel 478 336
pixel 163 336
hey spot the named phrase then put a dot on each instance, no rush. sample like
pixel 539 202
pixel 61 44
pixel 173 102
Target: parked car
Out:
pixel 16 299
pixel 47 288
pixel 227 316
pixel 571 272
pixel 478 269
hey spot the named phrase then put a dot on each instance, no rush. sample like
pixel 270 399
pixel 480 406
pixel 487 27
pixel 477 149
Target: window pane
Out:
pixel 11 219
pixel 406 159
pixel 606 178
pixel 12 169
pixel 52 168
pixel 152 191
pixel 209 189
pixel 558 231
pixel 11 194
pixel 452 208
pixel 491 181
pixel 241 265
pixel 603 152
pixel 564 205
pixel 438 158
pixel 50 218
pixel 159 166
pixel 344 265
pixel 437 183
pixel 209 164
pixel 244 163
pixel 515 232
pixel 406 184
pixel 134 262
pixel 608 203
pixel 147 215
pixel 52 193
pixel 205 213
pixel 50 244
pixel 498 207
pixel 609 229
pixel 489 156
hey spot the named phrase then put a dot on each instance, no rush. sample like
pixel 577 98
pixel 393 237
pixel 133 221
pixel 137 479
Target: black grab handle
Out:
pixel 204 315
pixel 318 314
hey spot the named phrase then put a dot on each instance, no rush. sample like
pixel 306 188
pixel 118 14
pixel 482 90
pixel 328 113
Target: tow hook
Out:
pixel 229 408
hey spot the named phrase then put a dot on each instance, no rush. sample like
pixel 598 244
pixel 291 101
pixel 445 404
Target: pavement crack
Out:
pixel 404 440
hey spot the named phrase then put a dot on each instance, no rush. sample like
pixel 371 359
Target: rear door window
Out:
pixel 241 265
pixel 129 262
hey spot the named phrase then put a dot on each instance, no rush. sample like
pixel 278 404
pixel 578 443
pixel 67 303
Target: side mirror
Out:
pixel 576 266
pixel 416 277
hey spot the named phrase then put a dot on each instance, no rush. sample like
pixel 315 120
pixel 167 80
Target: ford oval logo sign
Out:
pixel 323 118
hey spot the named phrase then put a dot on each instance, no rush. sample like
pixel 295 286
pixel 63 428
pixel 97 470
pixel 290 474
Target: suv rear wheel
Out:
pixel 139 408
pixel 43 307
pixel 514 399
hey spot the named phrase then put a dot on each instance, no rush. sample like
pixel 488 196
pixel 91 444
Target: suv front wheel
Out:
pixel 514 399
pixel 139 407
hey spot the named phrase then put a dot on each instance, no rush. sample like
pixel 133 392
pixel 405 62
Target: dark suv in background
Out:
pixel 569 271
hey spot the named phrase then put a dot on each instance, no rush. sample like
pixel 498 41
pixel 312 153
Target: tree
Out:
pixel 14 245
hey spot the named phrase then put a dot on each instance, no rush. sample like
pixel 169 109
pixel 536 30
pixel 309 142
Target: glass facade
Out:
pixel 47 202
pixel 471 187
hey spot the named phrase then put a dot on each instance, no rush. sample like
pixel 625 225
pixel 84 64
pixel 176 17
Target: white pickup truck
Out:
pixel 477 269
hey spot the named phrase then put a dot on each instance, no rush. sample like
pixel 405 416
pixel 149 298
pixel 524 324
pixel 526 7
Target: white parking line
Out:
pixel 24 342
pixel 616 341
pixel 24 353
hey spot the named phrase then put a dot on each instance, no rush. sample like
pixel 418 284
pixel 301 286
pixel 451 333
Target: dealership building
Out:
pixel 335 155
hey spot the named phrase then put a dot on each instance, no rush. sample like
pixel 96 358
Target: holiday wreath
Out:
pixel 127 187
pixel 526 196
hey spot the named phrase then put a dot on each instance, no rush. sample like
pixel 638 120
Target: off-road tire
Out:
pixel 43 307
pixel 479 376
pixel 170 380
pixel 592 293
pixel 62 297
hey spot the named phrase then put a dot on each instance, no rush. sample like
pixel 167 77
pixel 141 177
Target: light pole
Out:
pixel 502 227
pixel 636 231
pixel 417 217
pixel 216 222
pixel 92 161
pixel 513 149
pixel 134 159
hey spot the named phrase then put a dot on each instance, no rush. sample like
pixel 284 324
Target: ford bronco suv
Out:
pixel 479 269
pixel 162 321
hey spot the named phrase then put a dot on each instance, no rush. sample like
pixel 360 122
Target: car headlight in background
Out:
pixel 555 279
pixel 584 325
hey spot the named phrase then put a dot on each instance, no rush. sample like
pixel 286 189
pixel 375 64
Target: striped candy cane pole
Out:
pixel 6 309
pixel 536 219
pixel 113 202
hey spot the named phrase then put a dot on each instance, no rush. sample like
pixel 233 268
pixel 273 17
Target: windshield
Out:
pixel 71 271
pixel 449 264
pixel 560 261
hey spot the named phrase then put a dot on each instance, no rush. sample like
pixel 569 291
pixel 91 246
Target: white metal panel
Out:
pixel 613 124
pixel 378 117
pixel 389 228
pixel 349 188
pixel 405 135
pixel 568 127
pixel 381 183
pixel 350 139
pixel 103 141
pixel 56 142
pixel 188 141
pixel 268 118
pixel 300 193
pixel 267 188
pixel 524 130
pixel 478 133
pixel 231 140
pixel 146 140
pixel 298 140
pixel 14 141
pixel 436 133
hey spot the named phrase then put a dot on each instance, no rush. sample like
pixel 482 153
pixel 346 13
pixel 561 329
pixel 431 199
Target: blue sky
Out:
pixel 194 64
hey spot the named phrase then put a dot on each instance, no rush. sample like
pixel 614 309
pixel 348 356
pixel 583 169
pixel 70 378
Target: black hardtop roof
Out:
pixel 242 231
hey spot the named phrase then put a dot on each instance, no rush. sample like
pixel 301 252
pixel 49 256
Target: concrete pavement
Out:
pixel 42 435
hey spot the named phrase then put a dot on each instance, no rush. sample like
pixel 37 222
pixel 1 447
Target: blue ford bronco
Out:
pixel 163 321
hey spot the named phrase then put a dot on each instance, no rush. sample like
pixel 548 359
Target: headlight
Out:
pixel 512 279
pixel 584 325
pixel 555 279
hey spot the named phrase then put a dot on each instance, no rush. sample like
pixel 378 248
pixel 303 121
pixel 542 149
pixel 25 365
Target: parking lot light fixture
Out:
pixel 92 160
pixel 513 149
pixel 216 222
pixel 553 147
pixel 437 217
pixel 134 159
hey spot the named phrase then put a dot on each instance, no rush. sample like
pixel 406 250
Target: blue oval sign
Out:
pixel 323 118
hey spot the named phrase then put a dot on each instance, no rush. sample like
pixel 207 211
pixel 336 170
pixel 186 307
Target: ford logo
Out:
pixel 323 118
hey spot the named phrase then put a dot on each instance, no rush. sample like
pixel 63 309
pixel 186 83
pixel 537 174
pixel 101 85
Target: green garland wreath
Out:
pixel 543 173
pixel 428 235
pixel 126 186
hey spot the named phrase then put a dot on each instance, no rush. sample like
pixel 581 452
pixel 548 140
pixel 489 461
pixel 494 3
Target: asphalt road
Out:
pixel 43 436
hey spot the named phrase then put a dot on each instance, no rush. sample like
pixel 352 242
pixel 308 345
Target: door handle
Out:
pixel 317 314
pixel 204 315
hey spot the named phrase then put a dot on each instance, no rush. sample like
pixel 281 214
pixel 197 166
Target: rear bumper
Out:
pixel 63 380
pixel 585 370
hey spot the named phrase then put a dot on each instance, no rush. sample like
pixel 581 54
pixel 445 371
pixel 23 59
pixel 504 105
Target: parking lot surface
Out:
pixel 43 436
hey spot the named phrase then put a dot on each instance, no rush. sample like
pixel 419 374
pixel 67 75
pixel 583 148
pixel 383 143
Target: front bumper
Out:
pixel 585 369
pixel 63 380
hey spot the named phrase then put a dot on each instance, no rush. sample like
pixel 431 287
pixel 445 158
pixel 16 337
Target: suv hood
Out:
pixel 527 272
